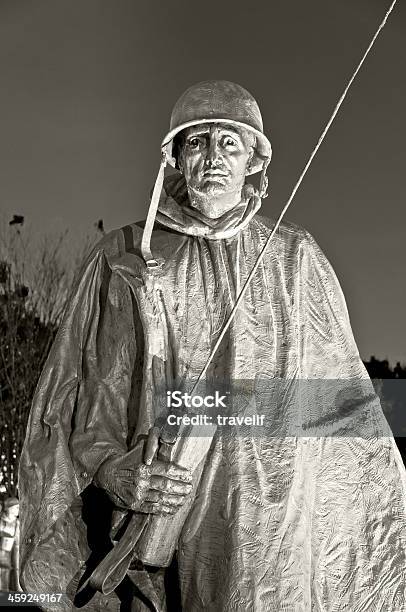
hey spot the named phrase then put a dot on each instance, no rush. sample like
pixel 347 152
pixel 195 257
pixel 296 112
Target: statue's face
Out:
pixel 214 159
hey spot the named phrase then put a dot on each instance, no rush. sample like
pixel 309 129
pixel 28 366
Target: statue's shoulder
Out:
pixel 289 234
pixel 120 249
pixel 118 242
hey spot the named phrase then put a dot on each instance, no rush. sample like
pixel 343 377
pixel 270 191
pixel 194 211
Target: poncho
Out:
pixel 309 517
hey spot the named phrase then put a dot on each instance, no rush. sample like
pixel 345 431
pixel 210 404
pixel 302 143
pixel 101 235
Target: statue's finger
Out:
pixel 171 471
pixel 169 509
pixel 149 507
pixel 157 508
pixel 160 483
pixel 173 500
pixel 153 496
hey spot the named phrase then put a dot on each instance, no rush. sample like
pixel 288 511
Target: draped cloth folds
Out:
pixel 307 516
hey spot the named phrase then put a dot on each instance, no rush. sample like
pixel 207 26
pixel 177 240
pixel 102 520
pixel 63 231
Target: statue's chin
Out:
pixel 213 201
pixel 205 194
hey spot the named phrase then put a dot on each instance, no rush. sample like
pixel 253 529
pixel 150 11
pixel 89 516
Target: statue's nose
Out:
pixel 213 154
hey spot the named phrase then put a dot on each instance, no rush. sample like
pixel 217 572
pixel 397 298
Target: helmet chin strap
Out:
pixel 150 261
pixel 263 185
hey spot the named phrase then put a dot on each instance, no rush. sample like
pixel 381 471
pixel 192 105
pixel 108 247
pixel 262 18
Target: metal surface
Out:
pixel 287 520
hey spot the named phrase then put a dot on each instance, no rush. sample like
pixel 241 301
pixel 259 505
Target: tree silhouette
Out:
pixel 34 284
pixel 391 388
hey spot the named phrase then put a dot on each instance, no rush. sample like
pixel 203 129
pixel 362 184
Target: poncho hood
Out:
pixel 175 211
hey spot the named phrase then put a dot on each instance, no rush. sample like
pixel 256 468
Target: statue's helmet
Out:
pixel 219 102
pixel 209 102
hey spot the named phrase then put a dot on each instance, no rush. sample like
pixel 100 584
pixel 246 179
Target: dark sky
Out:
pixel 87 89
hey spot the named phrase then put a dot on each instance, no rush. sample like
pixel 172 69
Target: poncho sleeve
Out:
pixel 79 417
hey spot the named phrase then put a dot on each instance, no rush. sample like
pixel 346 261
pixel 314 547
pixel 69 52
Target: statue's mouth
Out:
pixel 214 173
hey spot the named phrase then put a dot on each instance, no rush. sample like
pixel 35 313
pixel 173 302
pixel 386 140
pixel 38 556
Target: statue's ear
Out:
pixel 248 166
pixel 179 160
pixel 177 146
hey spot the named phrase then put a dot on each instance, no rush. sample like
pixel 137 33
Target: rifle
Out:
pixel 151 538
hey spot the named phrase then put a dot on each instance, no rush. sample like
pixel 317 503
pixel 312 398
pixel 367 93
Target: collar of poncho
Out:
pixel 175 212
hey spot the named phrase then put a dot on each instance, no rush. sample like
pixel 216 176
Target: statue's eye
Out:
pixel 194 143
pixel 230 142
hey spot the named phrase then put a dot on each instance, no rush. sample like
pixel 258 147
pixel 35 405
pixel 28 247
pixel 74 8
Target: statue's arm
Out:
pixel 106 398
pixel 107 410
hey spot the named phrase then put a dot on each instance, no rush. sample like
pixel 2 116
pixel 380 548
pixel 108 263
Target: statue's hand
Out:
pixel 158 488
